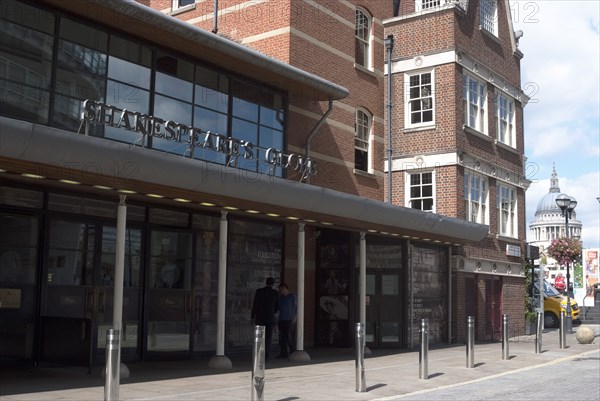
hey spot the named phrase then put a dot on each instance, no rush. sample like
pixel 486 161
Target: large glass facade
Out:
pixel 90 62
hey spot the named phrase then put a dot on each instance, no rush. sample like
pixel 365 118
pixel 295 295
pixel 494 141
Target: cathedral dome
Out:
pixel 548 202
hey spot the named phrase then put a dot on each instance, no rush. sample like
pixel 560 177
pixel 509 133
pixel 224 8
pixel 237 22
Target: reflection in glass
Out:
pixel 79 58
pixel 70 254
pixel 83 34
pixel 211 89
pixel 170 260
pixel 208 120
pixel 206 285
pixel 244 109
pixel 129 73
pixel 127 50
pixel 24 102
pixel 18 249
pixel 127 97
pixel 180 112
pixel 133 246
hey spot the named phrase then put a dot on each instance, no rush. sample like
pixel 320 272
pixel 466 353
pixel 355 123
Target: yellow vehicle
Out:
pixel 554 302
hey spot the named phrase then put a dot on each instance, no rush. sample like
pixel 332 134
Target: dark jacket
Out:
pixel 266 304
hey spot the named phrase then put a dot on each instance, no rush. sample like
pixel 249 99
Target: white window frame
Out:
pixel 506 207
pixel 476 197
pixel 364 144
pixel 488 16
pixel 408 186
pixel 475 102
pixel 505 112
pixel 421 5
pixel 363 36
pixel 408 100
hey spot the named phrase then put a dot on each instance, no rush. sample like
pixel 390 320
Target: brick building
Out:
pixel 248 146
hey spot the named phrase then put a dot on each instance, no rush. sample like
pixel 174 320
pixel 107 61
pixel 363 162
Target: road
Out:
pixel 566 379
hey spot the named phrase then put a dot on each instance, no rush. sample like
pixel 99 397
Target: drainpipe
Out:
pixel 216 7
pixel 315 129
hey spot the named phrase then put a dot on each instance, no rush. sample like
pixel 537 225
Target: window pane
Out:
pixel 208 120
pixel 24 102
pixel 244 130
pixel 174 77
pixel 128 72
pixel 84 35
pixel 170 109
pixel 211 89
pixel 130 51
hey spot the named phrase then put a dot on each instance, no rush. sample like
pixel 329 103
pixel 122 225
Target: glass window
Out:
pixel 26 44
pixel 419 110
pixel 79 205
pixel 505 119
pixel 130 51
pixel 133 257
pixel 362 38
pixel 21 197
pixel 421 191
pixel 174 77
pixel 426 4
pixel 211 89
pixel 488 16
pixel 128 97
pixel 208 120
pixel 18 250
pixel 362 133
pixel 168 217
pixel 174 110
pixel 84 35
pixel 71 253
pixel 476 198
pixel 506 197
pixel 129 73
pixel 475 104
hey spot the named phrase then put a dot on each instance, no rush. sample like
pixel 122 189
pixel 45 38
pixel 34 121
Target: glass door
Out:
pixel 169 293
pixel 78 292
pixel 385 308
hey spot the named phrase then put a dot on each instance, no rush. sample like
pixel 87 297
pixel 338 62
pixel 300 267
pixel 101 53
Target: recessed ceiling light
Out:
pixel 384 232
pixel 230 208
pixel 326 223
pixel 292 218
pixel 155 196
pixel 372 231
pixel 209 204
pixel 70 182
pixel 182 200
pixel 310 220
pixel 252 211
pixel 2 170
pixel 126 191
pixel 102 187
pixel 273 215
pixel 395 234
pixel 36 176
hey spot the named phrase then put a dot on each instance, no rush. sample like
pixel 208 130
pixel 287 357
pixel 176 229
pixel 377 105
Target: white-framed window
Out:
pixel 177 4
pixel 488 16
pixel 420 189
pixel 426 4
pixel 476 198
pixel 419 107
pixel 362 38
pixel 505 119
pixel 506 203
pixel 475 103
pixel 362 140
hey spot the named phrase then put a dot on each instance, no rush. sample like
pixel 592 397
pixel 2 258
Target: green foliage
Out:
pixel 530 314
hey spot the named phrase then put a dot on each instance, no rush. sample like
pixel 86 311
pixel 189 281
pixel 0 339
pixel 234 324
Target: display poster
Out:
pixel 585 292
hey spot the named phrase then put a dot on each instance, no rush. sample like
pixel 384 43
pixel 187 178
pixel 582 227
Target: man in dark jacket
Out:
pixel 266 304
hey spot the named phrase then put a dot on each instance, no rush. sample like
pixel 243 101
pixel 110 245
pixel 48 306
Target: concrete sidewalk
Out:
pixel 329 376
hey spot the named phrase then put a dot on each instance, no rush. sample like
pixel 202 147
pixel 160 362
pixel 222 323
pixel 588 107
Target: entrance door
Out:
pixel 78 292
pixel 493 308
pixel 169 294
pixel 385 308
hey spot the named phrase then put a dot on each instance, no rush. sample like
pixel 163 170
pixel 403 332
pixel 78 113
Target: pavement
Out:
pixel 330 375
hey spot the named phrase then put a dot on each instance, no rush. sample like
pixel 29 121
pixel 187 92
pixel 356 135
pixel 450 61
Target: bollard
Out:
pixel 470 341
pixel 111 377
pixel 538 334
pixel 562 339
pixel 361 385
pixel 505 352
pixel 424 349
pixel 258 364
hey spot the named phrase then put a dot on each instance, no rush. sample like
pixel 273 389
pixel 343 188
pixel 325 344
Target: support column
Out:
pixel 122 370
pixel 300 354
pixel 220 361
pixel 362 285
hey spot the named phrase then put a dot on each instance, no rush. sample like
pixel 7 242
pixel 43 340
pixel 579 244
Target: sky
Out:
pixel 560 73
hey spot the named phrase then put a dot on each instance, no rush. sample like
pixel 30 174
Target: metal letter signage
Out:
pixel 151 126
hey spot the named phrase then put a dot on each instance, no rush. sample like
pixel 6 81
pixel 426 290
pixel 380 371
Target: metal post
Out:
pixel 111 377
pixel 505 351
pixel 569 322
pixel 562 339
pixel 258 364
pixel 361 385
pixel 538 334
pixel 470 341
pixel 389 44
pixel 424 349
